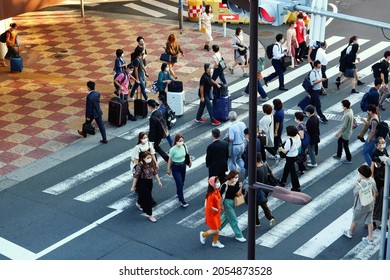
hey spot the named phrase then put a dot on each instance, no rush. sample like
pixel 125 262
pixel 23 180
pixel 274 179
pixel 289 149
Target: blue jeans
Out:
pixel 142 85
pixel 179 174
pixel 236 159
pixel 368 148
pixel 206 103
pixel 218 72
pixel 279 70
pixel 260 89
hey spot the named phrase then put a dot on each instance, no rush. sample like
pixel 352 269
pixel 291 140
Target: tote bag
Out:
pixel 365 194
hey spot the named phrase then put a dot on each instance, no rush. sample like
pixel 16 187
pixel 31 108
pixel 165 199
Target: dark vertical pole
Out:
pixel 253 44
pixel 180 14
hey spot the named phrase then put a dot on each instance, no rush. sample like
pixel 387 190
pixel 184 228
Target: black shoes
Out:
pixel 361 139
pixel 338 84
pixel 82 133
pixel 283 88
pixel 265 82
pixel 207 48
pixel 354 91
pixel 132 118
pixel 104 141
pixel 323 120
pixel 359 83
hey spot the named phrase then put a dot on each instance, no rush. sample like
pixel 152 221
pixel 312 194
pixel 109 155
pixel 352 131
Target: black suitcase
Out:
pixel 117 111
pixel 140 108
pixel 175 86
pixel 222 91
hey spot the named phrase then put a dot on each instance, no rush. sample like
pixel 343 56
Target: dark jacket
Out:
pixel 92 110
pixel 217 156
pixel 156 132
pixel 313 128
pixel 246 152
pixel 373 96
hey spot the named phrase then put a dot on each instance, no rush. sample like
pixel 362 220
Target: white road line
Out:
pixel 145 10
pixel 325 237
pixel 364 251
pixel 165 6
pixel 14 251
pixel 123 203
pixel 87 174
pixel 302 216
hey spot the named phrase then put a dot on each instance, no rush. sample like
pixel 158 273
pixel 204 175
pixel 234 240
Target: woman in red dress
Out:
pixel 213 208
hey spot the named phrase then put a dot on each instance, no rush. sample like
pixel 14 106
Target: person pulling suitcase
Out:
pixel 122 81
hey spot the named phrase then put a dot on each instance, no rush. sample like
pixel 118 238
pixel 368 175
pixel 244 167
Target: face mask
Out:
pixel 211 71
pixel 242 32
pixel 218 185
pixel 145 140
pixel 167 69
pixel 383 145
pixel 148 160
pixel 295 25
pixel 235 180
pixel 179 144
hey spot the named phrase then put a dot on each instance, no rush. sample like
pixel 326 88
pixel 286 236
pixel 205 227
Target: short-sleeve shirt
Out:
pixel 279 118
pixel 138 63
pixel 145 172
pixel 315 75
pixel 123 80
pixel 236 132
pixel 205 81
pixel 231 190
pixel 385 70
pixel 177 154
pixel 142 148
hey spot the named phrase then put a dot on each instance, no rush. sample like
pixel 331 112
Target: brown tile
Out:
pixel 40 113
pixel 8 157
pixel 67 138
pixel 7 169
pixel 31 130
pixel 38 153
pixel 6 145
pixel 4 134
pixel 28 120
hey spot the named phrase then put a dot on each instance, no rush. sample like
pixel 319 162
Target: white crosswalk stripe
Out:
pixel 317 243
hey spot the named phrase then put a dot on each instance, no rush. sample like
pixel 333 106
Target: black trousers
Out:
pixel 159 150
pixel 343 143
pixel 289 168
pixel 301 50
pixel 323 70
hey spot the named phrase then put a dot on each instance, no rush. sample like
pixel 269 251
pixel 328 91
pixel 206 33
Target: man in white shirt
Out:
pixel 316 81
pixel 278 52
pixel 322 57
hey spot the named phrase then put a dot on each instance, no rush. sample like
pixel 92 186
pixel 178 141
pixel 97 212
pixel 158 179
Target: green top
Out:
pixel 177 154
pixel 346 126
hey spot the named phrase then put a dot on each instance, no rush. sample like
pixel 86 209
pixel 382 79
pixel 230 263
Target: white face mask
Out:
pixel 179 144
pixel 145 140
pixel 148 160
pixel 241 33
pixel 167 69
pixel 218 185
pixel 235 180
pixel 211 71
pixel 383 145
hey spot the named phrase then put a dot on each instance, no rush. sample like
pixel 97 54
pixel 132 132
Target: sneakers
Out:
pixel 200 120
pixel 347 234
pixel 201 238
pixel 215 122
pixel 361 139
pixel 348 161
pixel 245 75
pixel 312 165
pixel 354 91
pixel 218 245
pixel 231 71
pixel 336 157
pixel 147 91
pixel 359 83
pixel 184 204
pixel 131 99
pixel 241 239
pixel 368 241
pixel 272 222
pixel 264 99
pixel 323 120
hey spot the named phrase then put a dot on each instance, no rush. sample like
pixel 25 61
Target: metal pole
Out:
pixel 384 253
pixel 82 7
pixel 253 43
pixel 180 13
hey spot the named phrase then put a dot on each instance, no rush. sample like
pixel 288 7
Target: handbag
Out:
pixel 263 137
pixel 202 30
pixel 222 64
pixel 166 57
pixel 365 194
pixel 286 61
pixel 238 200
pixel 88 128
pixel 187 158
pixel 154 87
pixel 306 84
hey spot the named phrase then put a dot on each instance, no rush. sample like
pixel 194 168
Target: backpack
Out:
pixel 269 51
pixel 364 102
pixel 3 37
pixel 171 118
pixel 382 130
pixel 124 78
pixel 314 51
pixel 376 70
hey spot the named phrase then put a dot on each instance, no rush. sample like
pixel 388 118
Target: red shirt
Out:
pixel 300 29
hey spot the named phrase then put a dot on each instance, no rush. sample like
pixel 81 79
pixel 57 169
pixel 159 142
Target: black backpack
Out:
pixel 171 118
pixel 269 51
pixel 376 70
pixel 382 130
pixel 314 51
pixel 3 37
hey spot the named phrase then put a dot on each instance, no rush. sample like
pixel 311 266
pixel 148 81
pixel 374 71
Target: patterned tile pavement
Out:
pixel 61 52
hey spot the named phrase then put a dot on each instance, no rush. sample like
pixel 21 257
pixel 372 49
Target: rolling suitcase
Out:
pixel 176 101
pixel 222 91
pixel 304 102
pixel 221 107
pixel 117 111
pixel 16 64
pixel 140 106
pixel 175 86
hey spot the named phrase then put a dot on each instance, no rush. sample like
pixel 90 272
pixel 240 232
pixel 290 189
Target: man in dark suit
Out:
pixel 217 156
pixel 94 112
pixel 156 130
pixel 313 129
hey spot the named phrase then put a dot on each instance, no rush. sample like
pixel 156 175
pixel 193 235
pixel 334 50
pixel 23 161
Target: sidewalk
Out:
pixel 41 108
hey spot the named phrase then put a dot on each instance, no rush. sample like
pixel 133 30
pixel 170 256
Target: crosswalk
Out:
pixel 337 176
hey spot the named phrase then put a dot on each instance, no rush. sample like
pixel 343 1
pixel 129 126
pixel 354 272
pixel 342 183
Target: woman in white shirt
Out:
pixel 291 149
pixel 207 16
pixel 240 52
pixel 143 145
pixel 266 125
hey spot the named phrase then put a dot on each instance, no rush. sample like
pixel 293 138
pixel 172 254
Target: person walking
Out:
pixel 363 214
pixel 207 17
pixel 177 166
pixel 218 70
pixel 316 81
pixel 204 93
pixel 229 190
pixel 246 151
pixel 240 52
pixel 301 37
pixel 372 122
pixel 305 142
pixel 164 107
pixel 141 45
pixel 120 63
pixel 139 74
pixel 260 90
pixel 122 82
pixel 278 128
pixel 351 60
pixel 378 169
pixel 292 43
pixel 212 212
pixel 11 42
pixel 266 127
pixel 384 75
pixel 94 112
pixel 278 52
pixel 372 98
pixel 164 78
pixel 313 129
pixel 290 149
pixel 322 57
pixel 217 156
pixel 345 132
pixel 143 184
pixel 143 145
pixel 173 48
pixel 237 138
pixel 156 128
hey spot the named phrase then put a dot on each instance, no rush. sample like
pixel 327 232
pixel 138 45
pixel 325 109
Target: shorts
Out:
pixel 362 216
pixel 349 73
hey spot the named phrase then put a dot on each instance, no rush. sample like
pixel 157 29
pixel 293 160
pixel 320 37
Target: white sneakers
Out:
pixel 347 233
pixel 218 245
pixel 241 239
pixel 201 238
pixel 272 222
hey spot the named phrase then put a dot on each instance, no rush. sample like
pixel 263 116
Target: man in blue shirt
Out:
pixel 237 137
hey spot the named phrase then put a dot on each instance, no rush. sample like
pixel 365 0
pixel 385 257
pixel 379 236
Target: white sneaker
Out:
pixel 218 245
pixel 131 98
pixel 347 234
pixel 312 165
pixel 272 222
pixel 201 238
pixel 388 99
pixel 146 90
pixel 264 99
pixel 368 241
pixel 241 239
